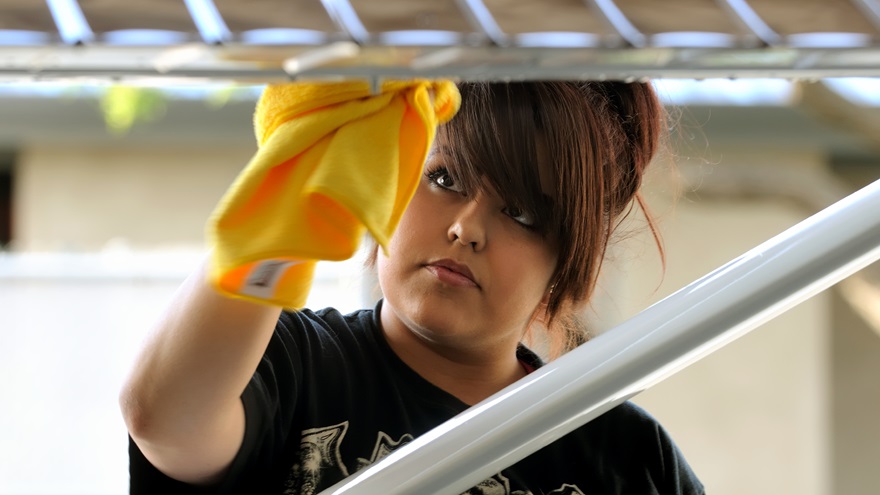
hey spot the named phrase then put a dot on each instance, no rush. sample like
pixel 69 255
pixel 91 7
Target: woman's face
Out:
pixel 463 271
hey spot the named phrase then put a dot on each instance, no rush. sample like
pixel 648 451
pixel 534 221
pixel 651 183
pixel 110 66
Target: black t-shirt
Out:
pixel 330 397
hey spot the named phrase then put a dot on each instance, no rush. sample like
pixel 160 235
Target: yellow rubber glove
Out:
pixel 333 161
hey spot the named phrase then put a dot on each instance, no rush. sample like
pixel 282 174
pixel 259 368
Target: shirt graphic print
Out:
pixel 320 455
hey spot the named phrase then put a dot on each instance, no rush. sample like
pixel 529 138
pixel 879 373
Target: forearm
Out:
pixel 183 393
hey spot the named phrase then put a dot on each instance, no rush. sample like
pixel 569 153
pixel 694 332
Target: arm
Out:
pixel 181 402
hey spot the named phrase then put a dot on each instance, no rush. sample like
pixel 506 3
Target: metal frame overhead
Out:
pixel 268 40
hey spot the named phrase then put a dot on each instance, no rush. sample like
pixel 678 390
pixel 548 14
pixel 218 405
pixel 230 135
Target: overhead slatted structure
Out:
pixel 486 39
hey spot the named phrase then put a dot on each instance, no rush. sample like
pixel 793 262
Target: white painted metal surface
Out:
pixel 622 362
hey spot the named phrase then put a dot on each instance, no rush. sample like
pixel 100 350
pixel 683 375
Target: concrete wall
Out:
pixel 66 345
pixel 65 348
pixel 80 198
pixel 855 403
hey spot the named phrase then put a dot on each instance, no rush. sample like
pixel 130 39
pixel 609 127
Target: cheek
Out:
pixel 388 274
pixel 527 267
pixel 419 224
pixel 402 242
pixel 382 269
pixel 402 246
pixel 543 260
pixel 546 256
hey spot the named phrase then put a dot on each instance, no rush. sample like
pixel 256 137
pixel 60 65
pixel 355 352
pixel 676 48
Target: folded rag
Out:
pixel 333 161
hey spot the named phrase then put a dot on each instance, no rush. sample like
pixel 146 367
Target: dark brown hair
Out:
pixel 599 138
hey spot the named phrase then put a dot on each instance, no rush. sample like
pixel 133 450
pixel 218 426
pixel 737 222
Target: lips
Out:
pixel 452 272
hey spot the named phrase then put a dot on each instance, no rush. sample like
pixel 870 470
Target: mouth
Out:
pixel 452 273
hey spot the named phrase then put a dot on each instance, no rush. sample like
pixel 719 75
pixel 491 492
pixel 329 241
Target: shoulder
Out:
pixel 325 341
pixel 629 414
pixel 307 341
pixel 305 329
pixel 307 370
pixel 634 436
pixel 624 430
pixel 326 319
pixel 630 428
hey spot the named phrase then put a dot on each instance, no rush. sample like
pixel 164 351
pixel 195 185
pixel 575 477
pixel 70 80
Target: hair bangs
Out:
pixel 493 141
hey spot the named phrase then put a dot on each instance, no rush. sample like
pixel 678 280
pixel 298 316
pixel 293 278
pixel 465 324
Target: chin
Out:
pixel 432 317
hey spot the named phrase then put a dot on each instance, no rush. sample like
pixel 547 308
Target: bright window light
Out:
pixel 737 92
pixel 859 90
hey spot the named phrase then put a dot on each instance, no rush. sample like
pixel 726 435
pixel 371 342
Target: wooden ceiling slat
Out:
pixel 679 16
pixel 788 17
pixel 516 17
pixel 26 15
pixel 404 15
pixel 115 15
pixel 272 14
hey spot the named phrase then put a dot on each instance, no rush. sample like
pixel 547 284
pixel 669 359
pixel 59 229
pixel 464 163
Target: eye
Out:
pixel 440 177
pixel 524 218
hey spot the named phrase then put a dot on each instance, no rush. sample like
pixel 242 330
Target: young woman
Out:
pixel 501 245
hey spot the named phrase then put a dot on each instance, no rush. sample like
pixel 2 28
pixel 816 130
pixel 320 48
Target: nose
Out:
pixel 469 225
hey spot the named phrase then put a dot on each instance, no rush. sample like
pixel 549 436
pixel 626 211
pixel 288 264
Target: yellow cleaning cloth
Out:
pixel 333 161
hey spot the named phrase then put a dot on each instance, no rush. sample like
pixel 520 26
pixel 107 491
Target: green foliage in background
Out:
pixel 123 106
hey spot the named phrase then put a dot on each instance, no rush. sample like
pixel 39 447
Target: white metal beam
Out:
pixel 342 14
pixel 618 21
pixel 71 23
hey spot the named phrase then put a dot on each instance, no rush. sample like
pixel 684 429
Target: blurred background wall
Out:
pixel 99 226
